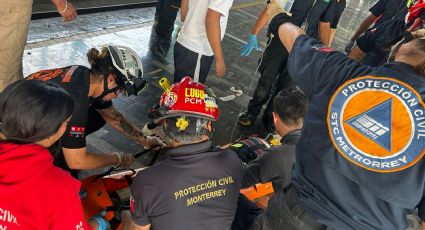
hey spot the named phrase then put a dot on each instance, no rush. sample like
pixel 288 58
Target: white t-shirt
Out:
pixel 193 33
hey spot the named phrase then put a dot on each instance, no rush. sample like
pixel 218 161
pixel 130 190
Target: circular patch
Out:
pixel 170 99
pixel 378 123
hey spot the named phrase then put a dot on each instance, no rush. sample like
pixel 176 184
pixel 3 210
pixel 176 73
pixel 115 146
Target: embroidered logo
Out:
pixel 378 123
pixel 77 131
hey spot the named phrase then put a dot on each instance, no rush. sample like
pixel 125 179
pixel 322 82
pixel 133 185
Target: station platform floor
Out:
pixel 52 44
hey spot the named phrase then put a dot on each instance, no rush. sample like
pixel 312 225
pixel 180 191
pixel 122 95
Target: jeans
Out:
pixel 166 13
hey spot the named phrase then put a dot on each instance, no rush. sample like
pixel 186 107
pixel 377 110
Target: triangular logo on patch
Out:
pixel 375 124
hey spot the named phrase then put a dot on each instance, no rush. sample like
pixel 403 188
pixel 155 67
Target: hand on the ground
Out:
pixel 154 142
pixel 349 46
pixel 273 8
pixel 98 222
pixel 252 44
pixel 67 11
pixel 220 68
pixel 356 54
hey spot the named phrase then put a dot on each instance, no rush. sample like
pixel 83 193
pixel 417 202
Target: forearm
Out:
pixel 324 32
pixel 364 26
pixel 331 37
pixel 288 33
pixel 119 122
pixel 59 3
pixel 183 10
pixel 82 160
pixel 260 23
pixel 212 25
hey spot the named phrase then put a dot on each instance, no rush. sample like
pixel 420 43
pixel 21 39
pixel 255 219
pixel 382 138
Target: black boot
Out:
pixel 245 119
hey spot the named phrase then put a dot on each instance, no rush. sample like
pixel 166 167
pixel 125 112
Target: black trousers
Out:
pixel 189 63
pixel 375 58
pixel 94 123
pixel 285 212
pixel 274 72
pixel 166 13
pixel 246 213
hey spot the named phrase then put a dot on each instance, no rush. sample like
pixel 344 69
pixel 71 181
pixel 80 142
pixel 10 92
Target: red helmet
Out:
pixel 188 98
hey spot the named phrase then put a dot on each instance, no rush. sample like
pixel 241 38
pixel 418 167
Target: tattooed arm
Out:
pixel 119 122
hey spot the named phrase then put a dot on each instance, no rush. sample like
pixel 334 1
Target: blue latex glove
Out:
pixel 102 224
pixel 252 44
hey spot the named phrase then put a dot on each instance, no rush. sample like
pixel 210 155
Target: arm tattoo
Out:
pixel 121 123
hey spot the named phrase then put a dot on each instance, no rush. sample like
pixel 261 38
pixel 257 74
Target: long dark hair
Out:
pixel 31 111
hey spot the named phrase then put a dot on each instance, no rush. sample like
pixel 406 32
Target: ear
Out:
pixel 111 78
pixel 276 118
pixel 209 126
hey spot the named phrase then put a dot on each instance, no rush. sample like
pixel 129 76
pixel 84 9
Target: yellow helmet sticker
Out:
pixel 182 123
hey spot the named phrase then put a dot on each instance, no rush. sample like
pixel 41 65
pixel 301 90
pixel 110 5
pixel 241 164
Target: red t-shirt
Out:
pixel 34 194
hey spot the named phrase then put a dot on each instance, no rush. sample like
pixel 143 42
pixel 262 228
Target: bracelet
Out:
pixel 119 157
pixel 66 7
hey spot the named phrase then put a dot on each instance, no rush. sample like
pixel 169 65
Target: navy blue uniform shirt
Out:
pixel 388 9
pixel 334 13
pixel 359 161
pixel 194 187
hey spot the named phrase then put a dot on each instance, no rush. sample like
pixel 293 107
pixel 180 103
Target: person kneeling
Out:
pixel 34 193
pixel 196 186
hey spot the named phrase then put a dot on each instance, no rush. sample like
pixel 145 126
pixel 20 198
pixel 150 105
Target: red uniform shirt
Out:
pixel 34 194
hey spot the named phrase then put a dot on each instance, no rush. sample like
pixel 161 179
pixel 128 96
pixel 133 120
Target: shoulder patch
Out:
pixel 45 75
pixel 378 123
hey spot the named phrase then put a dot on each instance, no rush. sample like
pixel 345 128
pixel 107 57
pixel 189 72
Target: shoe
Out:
pixel 245 119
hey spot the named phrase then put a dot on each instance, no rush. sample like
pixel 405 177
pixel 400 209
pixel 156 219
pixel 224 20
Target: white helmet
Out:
pixel 128 68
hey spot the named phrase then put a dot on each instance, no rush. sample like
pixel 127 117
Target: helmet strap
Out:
pixel 106 91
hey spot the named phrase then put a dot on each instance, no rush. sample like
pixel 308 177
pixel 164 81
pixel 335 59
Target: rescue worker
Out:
pixel 34 193
pixel 272 64
pixel 275 163
pixel 382 38
pixel 329 22
pixel 359 159
pixel 114 70
pixel 382 11
pixel 197 185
